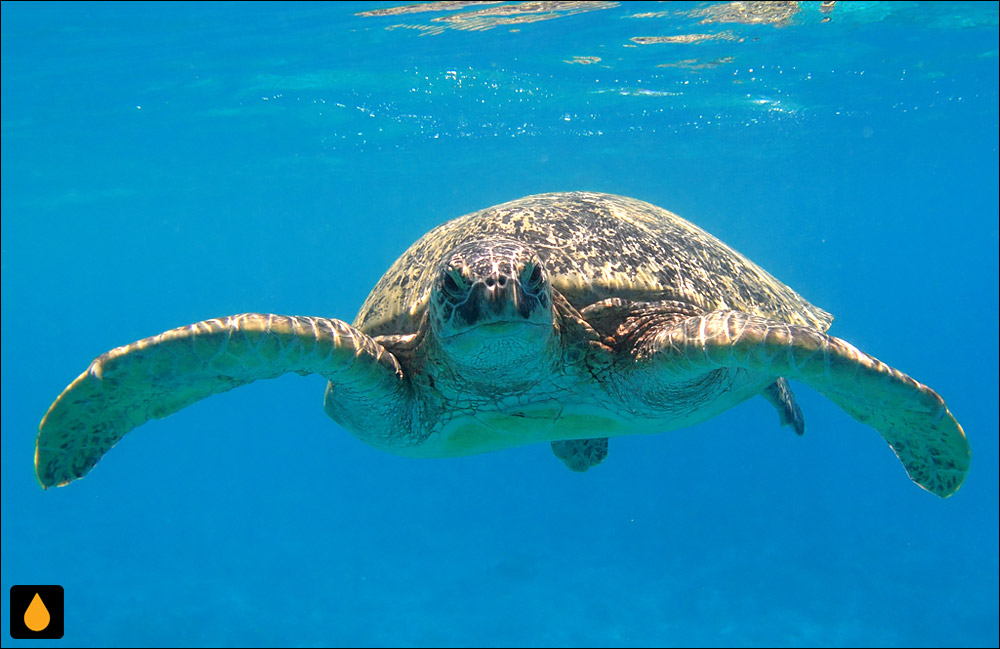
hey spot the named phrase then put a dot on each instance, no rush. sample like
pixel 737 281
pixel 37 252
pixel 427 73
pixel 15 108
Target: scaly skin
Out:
pixel 158 376
pixel 910 416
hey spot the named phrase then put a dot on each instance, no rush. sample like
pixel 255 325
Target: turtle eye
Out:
pixel 454 283
pixel 533 275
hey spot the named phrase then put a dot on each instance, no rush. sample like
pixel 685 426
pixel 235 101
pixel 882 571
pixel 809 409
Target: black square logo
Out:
pixel 36 612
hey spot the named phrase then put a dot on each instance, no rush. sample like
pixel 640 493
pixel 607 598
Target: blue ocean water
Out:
pixel 167 163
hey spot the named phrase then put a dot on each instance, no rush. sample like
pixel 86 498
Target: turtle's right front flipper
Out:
pixel 158 376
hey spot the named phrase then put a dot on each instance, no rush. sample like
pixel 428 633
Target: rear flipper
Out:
pixel 581 454
pixel 779 394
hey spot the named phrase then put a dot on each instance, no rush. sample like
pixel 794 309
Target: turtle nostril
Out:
pixel 502 280
pixel 489 282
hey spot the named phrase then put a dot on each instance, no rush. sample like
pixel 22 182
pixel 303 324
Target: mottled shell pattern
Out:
pixel 594 246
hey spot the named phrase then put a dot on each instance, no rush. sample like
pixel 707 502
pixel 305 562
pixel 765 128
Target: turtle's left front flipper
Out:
pixel 910 416
pixel 158 376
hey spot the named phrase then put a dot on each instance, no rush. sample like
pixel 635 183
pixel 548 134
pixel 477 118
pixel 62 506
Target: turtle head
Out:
pixel 491 309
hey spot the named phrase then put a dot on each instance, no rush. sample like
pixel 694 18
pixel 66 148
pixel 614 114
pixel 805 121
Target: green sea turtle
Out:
pixel 566 318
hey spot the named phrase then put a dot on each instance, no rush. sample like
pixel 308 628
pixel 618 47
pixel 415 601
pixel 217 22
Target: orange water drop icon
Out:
pixel 37 616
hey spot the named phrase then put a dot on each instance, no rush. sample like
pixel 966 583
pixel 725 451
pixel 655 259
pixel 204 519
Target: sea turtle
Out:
pixel 565 318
